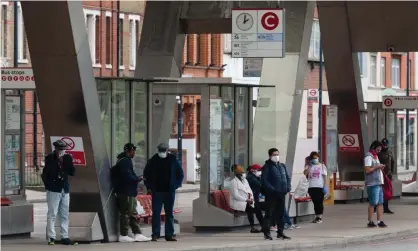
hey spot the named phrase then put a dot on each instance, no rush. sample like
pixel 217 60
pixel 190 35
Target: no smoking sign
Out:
pixel 349 142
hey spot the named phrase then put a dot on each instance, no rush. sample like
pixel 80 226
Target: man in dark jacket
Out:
pixel 386 158
pixel 58 166
pixel 163 175
pixel 126 191
pixel 276 184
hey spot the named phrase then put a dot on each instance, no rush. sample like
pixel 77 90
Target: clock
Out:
pixel 244 21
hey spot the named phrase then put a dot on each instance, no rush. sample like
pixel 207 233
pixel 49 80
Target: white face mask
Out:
pixel 162 155
pixel 61 154
pixel 258 173
pixel 275 158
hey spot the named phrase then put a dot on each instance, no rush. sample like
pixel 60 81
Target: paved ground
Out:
pixel 408 244
pixel 343 224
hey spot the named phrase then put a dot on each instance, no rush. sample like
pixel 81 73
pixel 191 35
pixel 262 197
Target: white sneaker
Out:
pixel 273 228
pixel 141 238
pixel 125 239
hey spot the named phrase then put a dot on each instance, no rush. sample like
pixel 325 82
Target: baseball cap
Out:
pixel 256 167
pixel 162 147
pixel 60 144
pixel 129 146
pixel 385 141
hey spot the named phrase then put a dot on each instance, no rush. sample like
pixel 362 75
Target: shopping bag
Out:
pixel 139 209
pixel 301 190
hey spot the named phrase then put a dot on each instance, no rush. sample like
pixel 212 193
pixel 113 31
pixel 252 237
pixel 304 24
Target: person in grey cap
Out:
pixel 162 176
pixel 58 166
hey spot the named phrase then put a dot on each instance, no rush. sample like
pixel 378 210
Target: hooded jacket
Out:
pixel 128 180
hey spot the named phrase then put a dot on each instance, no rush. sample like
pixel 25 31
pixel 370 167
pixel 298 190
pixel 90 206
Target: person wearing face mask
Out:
pixel 386 158
pixel 276 184
pixel 162 176
pixel 316 173
pixel 254 180
pixel 242 198
pixel 374 181
pixel 58 166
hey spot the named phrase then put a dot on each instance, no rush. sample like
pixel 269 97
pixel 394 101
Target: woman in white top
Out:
pixel 316 173
pixel 242 198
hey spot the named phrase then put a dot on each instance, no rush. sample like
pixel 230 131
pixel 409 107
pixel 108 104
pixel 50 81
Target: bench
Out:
pixel 413 179
pixel 146 203
pixel 297 202
pixel 5 201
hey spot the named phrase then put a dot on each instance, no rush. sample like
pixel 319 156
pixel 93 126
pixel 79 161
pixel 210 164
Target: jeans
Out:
pixel 158 200
pixel 128 214
pixel 317 197
pixel 287 219
pixel 58 203
pixel 375 194
pixel 275 204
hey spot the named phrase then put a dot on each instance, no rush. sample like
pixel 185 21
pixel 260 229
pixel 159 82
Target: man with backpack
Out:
pixel 125 185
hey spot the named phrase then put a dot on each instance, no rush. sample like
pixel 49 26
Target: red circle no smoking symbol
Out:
pixel 270 21
pixel 348 140
pixel 388 102
pixel 70 143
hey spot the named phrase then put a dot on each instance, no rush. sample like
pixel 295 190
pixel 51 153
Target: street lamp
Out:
pixel 179 129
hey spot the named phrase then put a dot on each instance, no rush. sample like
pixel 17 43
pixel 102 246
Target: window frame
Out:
pixel 373 72
pixel 121 18
pixel 315 41
pixel 398 67
pixel 133 46
pixel 4 31
pixel 94 14
pixel 109 40
pixel 21 39
pixel 383 72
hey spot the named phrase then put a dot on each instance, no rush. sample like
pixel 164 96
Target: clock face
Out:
pixel 245 21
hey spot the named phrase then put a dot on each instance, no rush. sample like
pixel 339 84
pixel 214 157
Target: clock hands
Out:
pixel 245 19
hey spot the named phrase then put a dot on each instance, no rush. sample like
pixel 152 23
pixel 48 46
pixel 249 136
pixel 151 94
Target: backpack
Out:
pixel 114 175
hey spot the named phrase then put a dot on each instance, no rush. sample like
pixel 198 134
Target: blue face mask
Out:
pixel 314 161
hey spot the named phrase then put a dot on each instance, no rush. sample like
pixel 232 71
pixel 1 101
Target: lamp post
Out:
pixel 320 99
pixel 408 138
pixel 179 129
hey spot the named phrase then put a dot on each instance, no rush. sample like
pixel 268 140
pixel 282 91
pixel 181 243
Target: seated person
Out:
pixel 242 198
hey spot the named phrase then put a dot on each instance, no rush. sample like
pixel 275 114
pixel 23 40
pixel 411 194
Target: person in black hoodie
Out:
pixel 254 180
pixel 162 176
pixel 126 190
pixel 58 166
pixel 276 184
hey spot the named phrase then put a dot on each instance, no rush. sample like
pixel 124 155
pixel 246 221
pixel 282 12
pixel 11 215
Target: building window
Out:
pixel 109 39
pixel 410 74
pixel 133 32
pixel 315 42
pixel 4 30
pixel 121 64
pixel 360 62
pixel 93 34
pixel 373 70
pixel 396 73
pixel 382 71
pixel 21 41
pixel 214 40
pixel 227 43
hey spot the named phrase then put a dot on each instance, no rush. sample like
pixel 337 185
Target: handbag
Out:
pixel 387 188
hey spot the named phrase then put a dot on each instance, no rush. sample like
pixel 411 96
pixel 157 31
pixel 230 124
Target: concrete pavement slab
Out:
pixel 343 225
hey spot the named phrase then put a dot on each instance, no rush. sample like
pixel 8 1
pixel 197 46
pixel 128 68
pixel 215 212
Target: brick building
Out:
pixel 106 23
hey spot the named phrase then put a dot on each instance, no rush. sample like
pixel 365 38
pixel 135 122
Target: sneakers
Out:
pixel 154 238
pixel 125 239
pixel 295 226
pixel 288 227
pixel 273 228
pixel 267 236
pixel 317 220
pixel 388 212
pixel 68 242
pixel 141 238
pixel 51 241
pixel 381 224
pixel 371 224
pixel 255 230
pixel 283 236
pixel 170 239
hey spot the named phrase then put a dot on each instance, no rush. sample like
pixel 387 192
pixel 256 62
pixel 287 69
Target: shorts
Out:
pixel 375 194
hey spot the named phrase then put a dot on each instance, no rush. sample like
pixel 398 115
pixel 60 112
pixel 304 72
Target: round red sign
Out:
pixel 312 93
pixel 270 21
pixel 388 102
pixel 70 143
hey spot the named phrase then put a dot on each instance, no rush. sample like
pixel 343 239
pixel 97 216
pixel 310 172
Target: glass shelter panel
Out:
pixel 104 91
pixel 242 113
pixel 121 115
pixel 140 108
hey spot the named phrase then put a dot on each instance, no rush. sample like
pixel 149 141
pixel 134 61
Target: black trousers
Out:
pixel 250 214
pixel 317 197
pixel 274 212
pixel 263 206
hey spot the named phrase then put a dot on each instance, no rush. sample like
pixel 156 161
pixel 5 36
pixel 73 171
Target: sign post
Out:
pixel 75 148
pixel 258 33
pixel 400 102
